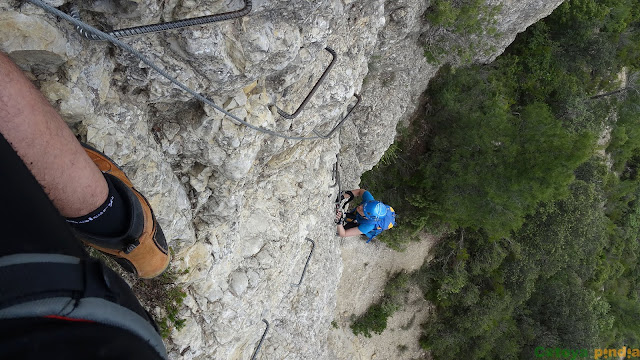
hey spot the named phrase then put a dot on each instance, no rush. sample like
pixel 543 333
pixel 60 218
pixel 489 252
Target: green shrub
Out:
pixel 443 13
pixel 486 166
pixel 173 303
pixel 467 19
pixel 375 318
pixel 543 244
pixel 164 293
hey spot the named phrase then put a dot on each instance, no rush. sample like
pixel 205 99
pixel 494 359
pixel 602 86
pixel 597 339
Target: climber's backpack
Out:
pixel 382 224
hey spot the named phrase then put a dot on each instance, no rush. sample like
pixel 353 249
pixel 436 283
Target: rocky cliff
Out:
pixel 237 205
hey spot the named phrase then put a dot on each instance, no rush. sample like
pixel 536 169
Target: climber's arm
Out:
pixel 46 145
pixel 358 192
pixel 346 233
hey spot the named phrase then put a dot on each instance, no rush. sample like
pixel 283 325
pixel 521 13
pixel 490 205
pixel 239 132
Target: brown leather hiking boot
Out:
pixel 143 249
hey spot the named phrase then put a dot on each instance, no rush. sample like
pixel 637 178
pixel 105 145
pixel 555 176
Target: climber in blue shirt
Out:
pixel 369 218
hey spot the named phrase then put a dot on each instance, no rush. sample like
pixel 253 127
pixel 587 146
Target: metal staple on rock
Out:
pixel 358 97
pixel 334 176
pixel 338 175
pixel 178 24
pixel 255 352
pixel 313 246
pixel 313 90
pixel 89 29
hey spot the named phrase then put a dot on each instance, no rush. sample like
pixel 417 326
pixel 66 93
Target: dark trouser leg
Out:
pixel 33 229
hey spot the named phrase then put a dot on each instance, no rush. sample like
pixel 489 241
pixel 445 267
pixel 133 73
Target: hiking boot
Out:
pixel 142 249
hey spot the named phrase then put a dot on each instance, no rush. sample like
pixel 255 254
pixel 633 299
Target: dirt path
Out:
pixel 365 272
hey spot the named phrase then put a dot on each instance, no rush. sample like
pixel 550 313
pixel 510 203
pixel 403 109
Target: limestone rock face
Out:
pixel 235 204
pixel 32 42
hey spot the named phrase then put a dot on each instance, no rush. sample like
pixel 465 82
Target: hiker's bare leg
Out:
pixel 47 146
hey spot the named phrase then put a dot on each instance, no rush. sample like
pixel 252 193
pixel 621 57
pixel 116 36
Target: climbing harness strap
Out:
pixel 60 286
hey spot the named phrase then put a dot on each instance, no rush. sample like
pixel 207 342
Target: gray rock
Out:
pixel 31 41
pixel 238 283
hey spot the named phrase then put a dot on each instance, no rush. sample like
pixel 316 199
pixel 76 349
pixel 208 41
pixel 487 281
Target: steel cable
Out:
pixel 178 24
pixel 173 80
pixel 89 29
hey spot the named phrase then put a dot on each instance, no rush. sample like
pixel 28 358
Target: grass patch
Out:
pixel 161 293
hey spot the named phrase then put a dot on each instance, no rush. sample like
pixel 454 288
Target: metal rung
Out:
pixel 315 87
pixel 255 352
pixel 359 98
pixel 336 177
pixel 313 245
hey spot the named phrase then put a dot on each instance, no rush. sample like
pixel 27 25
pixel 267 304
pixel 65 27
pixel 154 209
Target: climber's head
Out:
pixel 374 210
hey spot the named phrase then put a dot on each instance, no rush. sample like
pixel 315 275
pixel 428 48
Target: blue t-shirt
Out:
pixel 365 228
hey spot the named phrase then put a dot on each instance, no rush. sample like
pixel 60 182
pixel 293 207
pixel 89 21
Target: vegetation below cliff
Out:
pixel 540 224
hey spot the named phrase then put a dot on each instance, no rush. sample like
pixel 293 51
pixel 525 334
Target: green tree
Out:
pixel 542 242
pixel 493 293
pixel 625 135
pixel 626 323
pixel 563 313
pixel 487 166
